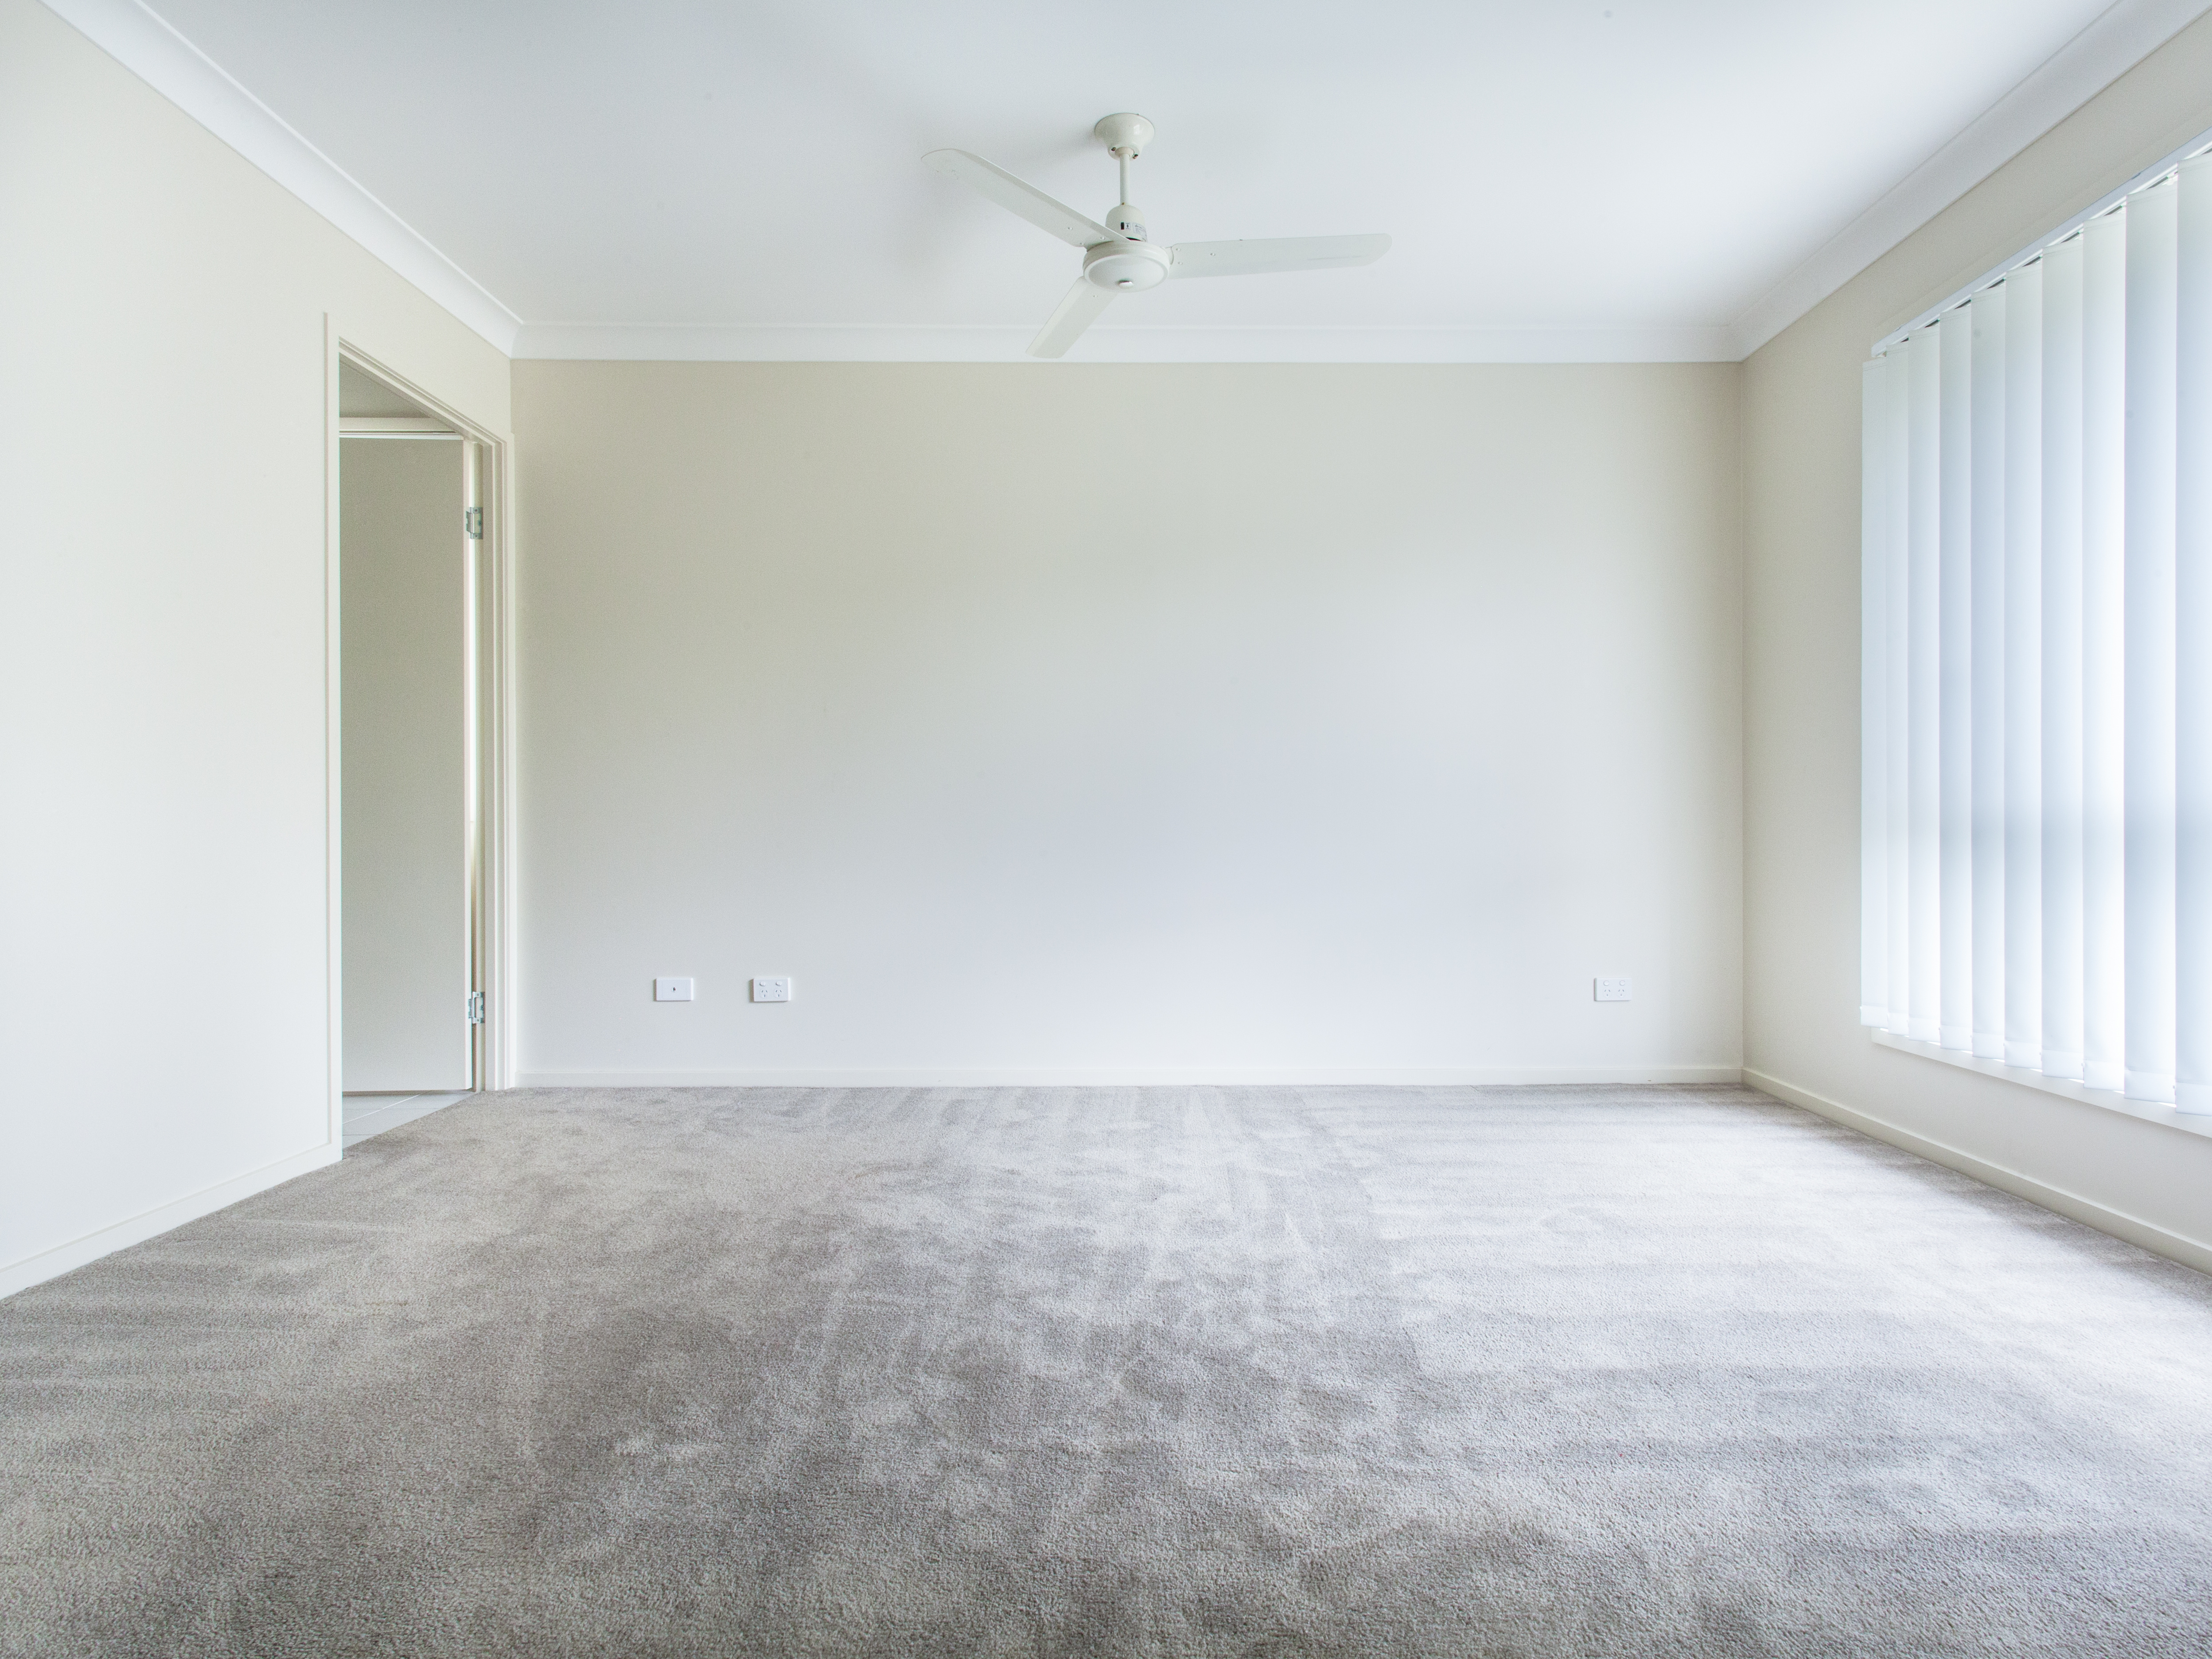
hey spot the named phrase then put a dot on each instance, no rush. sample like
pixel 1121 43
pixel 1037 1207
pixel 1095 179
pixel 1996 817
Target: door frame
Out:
pixel 493 698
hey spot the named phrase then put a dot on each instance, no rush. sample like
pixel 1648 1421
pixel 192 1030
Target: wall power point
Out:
pixel 1613 990
pixel 772 990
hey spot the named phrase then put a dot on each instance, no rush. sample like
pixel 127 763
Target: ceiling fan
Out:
pixel 1117 259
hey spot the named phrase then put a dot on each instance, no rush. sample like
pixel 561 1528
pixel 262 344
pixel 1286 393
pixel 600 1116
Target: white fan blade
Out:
pixel 1081 308
pixel 1012 194
pixel 1276 253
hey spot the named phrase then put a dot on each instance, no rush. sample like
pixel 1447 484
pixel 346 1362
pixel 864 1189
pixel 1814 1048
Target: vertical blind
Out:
pixel 2037 625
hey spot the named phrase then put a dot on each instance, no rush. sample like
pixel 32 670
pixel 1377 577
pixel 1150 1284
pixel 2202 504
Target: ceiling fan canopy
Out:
pixel 1119 256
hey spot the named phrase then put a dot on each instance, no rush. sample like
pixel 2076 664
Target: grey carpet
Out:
pixel 1507 1371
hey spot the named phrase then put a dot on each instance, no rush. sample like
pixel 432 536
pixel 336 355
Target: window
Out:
pixel 2036 833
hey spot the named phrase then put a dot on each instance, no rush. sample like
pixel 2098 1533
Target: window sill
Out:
pixel 2190 1123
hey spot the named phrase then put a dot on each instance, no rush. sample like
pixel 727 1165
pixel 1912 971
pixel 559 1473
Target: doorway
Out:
pixel 411 580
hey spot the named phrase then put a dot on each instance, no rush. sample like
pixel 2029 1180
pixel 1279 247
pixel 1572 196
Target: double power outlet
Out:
pixel 777 989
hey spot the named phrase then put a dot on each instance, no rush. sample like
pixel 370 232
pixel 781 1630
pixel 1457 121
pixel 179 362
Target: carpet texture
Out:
pixel 1235 1371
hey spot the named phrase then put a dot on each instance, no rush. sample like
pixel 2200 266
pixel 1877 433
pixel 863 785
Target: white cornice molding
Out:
pixel 986 345
pixel 150 49
pixel 2116 41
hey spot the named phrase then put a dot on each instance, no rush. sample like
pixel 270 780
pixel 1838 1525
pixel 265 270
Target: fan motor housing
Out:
pixel 1126 267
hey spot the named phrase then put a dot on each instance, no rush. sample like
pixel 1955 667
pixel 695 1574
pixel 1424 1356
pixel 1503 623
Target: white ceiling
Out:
pixel 1653 167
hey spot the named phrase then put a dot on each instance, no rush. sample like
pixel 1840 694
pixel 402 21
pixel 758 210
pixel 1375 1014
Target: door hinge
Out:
pixel 473 521
pixel 476 1008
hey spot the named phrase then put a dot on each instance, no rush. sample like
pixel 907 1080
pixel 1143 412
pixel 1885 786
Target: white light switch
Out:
pixel 1612 990
pixel 771 990
pixel 672 990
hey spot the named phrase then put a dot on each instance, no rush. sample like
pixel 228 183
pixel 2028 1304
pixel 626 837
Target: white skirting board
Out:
pixel 2188 1251
pixel 62 1258
pixel 911 1077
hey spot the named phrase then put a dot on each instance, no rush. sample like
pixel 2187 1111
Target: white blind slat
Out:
pixel 2062 659
pixel 2192 613
pixel 2104 472
pixel 1897 462
pixel 1923 736
pixel 1873 699
pixel 2147 855
pixel 1955 344
pixel 2023 669
pixel 1985 667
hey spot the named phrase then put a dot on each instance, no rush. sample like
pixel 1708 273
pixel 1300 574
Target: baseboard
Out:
pixel 1110 1077
pixel 63 1258
pixel 2135 1231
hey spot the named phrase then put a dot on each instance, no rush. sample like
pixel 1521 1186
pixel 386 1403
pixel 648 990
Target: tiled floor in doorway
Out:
pixel 372 1114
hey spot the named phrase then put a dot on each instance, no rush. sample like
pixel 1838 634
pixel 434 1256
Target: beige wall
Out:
pixel 1146 722
pixel 164 1039
pixel 1800 420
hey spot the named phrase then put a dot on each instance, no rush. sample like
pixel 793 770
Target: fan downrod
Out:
pixel 1125 137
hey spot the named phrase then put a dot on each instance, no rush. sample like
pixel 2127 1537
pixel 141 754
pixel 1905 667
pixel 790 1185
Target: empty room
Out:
pixel 996 829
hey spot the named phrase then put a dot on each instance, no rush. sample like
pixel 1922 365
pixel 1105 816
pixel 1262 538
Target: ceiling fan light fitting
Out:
pixel 1126 267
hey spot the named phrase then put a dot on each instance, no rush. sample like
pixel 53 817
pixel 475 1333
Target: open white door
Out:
pixel 404 616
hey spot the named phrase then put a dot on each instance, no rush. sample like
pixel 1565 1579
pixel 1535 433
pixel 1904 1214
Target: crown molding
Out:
pixel 989 345
pixel 2115 41
pixel 150 49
